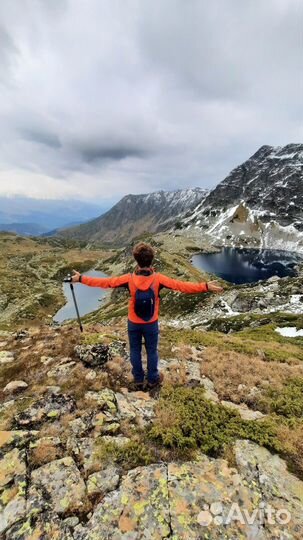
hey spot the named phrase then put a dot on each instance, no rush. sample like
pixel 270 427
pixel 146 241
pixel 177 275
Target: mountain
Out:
pixel 136 214
pixel 259 203
pixel 24 229
pixel 48 213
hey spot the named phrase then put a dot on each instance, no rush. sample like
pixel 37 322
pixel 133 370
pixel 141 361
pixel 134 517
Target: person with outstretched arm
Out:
pixel 144 286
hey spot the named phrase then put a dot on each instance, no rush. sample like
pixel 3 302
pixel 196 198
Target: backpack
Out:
pixel 144 304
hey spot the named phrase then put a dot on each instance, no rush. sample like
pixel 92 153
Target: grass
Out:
pixel 249 342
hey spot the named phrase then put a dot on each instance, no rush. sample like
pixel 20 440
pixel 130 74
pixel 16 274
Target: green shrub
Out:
pixel 186 419
pixel 286 401
pixel 131 455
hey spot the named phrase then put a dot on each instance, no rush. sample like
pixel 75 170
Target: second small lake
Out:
pixel 87 298
pixel 247 265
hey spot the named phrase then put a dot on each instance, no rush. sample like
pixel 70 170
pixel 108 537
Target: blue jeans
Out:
pixel 150 332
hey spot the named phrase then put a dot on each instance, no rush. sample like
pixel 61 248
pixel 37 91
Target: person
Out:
pixel 144 286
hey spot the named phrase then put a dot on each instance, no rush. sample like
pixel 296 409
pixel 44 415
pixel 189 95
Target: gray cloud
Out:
pixel 135 96
pixel 41 137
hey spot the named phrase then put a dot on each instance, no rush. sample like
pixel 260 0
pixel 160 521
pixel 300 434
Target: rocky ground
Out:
pixel 85 457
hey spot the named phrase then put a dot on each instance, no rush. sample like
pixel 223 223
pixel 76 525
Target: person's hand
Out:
pixel 76 276
pixel 214 287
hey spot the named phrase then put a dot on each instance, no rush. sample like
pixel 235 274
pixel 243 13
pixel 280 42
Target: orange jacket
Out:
pixel 143 282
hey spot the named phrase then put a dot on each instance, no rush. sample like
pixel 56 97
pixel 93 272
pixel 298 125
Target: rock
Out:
pixel 16 438
pixel 57 486
pixel 6 357
pixel 62 369
pixel 202 499
pixel 137 406
pixel 138 509
pixel 243 410
pixel 119 441
pixel 105 422
pixel 46 527
pixel 78 427
pixel 91 375
pixel 209 387
pixel 13 511
pixel 14 386
pixel 49 407
pixel 55 390
pixel 71 521
pixel 105 399
pixel 118 348
pixel 21 334
pixel 93 355
pixel 267 475
pixel 12 488
pixel 103 481
pixel 46 360
pixel 12 466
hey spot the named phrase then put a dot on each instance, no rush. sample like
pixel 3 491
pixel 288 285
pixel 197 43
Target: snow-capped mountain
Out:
pixel 258 204
pixel 136 214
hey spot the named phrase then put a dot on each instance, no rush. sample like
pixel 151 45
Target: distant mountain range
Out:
pixel 36 216
pixel 260 203
pixel 138 214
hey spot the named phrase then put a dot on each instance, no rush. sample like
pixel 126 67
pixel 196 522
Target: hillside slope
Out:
pixel 135 215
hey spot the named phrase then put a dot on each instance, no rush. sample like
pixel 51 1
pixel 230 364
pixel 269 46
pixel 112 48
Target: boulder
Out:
pixel 15 386
pixel 93 355
pixel 103 481
pixel 50 407
pixel 58 486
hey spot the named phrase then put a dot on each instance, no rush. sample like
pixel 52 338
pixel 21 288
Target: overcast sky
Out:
pixel 100 98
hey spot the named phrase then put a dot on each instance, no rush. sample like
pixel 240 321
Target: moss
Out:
pixel 286 401
pixel 194 422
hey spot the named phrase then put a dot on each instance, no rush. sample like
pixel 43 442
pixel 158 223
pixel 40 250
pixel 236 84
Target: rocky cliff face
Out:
pixel 138 214
pixel 259 203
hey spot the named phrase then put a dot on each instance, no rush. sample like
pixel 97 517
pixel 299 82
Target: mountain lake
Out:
pixel 88 298
pixel 247 265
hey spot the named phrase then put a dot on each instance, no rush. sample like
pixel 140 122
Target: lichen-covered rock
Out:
pixel 205 499
pixel 12 465
pixel 268 475
pixel 61 369
pixel 12 488
pixel 138 509
pixel 105 399
pixel 93 355
pixel 47 527
pixel 103 481
pixel 15 386
pixel 137 406
pixel 57 486
pixel 18 438
pixel 49 407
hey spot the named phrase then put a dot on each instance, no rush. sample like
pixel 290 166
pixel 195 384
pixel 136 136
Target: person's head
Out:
pixel 143 254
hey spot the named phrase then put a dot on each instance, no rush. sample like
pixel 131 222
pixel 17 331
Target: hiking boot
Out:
pixel 137 386
pixel 159 382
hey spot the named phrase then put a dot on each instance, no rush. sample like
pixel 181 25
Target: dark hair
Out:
pixel 144 254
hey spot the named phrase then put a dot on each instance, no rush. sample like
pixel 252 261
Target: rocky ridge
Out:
pixel 137 215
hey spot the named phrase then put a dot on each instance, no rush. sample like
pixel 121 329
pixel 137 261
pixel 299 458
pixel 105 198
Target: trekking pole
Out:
pixel 68 279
